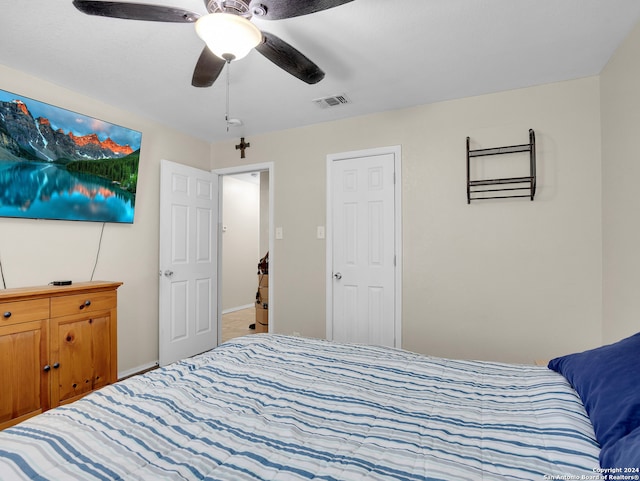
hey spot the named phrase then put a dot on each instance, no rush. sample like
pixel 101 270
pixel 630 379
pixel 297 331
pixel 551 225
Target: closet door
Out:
pixel 362 238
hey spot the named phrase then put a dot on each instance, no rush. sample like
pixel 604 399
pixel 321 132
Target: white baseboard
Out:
pixel 137 370
pixel 239 308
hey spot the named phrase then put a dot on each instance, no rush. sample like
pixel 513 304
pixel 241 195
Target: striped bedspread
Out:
pixel 268 407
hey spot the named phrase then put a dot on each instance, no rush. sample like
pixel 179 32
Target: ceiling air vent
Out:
pixel 332 101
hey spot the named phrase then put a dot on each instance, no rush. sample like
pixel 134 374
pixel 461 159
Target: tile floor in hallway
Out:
pixel 236 323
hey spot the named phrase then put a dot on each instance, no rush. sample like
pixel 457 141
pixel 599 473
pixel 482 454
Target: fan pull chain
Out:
pixel 226 114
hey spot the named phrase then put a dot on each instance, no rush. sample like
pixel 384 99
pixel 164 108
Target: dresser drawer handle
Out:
pixel 7 314
pixel 87 303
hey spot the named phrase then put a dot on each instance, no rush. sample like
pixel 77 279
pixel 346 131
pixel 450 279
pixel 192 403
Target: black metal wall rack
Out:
pixel 506 187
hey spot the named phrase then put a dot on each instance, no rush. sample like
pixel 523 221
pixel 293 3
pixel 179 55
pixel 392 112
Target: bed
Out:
pixel 271 407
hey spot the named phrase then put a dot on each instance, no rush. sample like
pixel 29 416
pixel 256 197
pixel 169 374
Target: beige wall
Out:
pixel 620 100
pixel 264 212
pixel 506 280
pixel 240 242
pixel 35 252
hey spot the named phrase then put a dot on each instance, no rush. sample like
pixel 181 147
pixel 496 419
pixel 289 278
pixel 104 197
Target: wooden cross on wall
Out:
pixel 242 146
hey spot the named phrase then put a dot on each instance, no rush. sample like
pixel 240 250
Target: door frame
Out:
pixel 244 169
pixel 396 151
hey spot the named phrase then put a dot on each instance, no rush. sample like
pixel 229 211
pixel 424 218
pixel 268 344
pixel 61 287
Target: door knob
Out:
pixel 337 275
pixel 168 273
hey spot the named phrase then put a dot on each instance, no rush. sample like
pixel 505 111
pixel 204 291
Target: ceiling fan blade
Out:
pixel 279 9
pixel 136 11
pixel 289 59
pixel 207 69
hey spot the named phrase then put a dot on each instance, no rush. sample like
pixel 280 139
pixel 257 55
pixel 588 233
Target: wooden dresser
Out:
pixel 57 343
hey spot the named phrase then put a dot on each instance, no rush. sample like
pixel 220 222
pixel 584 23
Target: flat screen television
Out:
pixel 58 164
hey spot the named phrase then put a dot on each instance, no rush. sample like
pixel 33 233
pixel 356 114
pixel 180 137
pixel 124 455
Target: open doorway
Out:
pixel 245 213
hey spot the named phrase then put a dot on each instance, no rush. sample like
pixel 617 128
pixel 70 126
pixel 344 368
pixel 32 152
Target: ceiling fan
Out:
pixel 227 30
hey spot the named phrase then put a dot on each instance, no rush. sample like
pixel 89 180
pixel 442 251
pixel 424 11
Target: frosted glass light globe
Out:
pixel 228 36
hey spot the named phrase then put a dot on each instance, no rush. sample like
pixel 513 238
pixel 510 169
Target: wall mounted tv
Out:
pixel 58 164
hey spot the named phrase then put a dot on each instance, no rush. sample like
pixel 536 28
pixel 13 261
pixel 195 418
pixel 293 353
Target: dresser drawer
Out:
pixel 83 303
pixel 23 311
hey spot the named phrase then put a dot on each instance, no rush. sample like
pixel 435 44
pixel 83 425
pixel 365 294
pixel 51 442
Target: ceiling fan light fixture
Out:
pixel 227 35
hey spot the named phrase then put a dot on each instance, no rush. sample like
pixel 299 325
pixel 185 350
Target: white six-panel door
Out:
pixel 363 249
pixel 188 261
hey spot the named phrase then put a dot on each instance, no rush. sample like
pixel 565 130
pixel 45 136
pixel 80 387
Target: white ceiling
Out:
pixel 383 54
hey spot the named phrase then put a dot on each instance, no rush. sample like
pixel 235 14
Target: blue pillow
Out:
pixel 607 379
pixel 625 453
